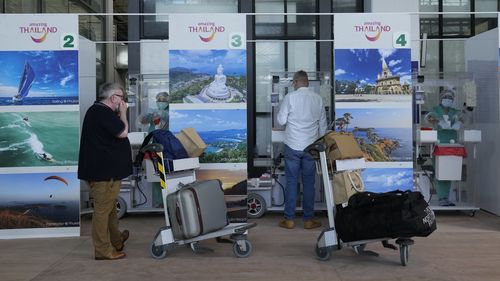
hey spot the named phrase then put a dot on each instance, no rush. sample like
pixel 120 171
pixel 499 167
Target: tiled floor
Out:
pixel 463 248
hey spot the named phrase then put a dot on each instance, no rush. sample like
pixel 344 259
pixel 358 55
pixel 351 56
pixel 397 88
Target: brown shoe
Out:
pixel 113 256
pixel 124 235
pixel 288 224
pixel 313 223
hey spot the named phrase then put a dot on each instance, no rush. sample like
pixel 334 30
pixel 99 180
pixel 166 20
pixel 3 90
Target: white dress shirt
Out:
pixel 303 114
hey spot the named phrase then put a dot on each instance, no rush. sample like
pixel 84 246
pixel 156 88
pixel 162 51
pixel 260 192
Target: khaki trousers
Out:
pixel 105 233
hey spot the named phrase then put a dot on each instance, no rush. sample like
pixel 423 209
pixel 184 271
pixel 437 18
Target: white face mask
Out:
pixel 447 102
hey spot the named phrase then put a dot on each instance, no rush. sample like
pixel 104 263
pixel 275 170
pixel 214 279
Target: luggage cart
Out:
pixel 328 240
pixel 164 240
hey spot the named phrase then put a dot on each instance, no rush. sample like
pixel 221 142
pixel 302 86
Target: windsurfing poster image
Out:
pixel 208 92
pixel 373 94
pixel 39 60
pixel 39 126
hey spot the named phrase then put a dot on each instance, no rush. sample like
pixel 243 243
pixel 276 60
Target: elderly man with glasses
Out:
pixel 105 159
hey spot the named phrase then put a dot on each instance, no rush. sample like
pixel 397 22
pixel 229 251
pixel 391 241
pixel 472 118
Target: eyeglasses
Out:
pixel 122 97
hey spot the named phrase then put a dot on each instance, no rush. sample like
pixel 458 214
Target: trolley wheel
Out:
pixel 238 252
pixel 121 207
pixel 256 206
pixel 472 214
pixel 359 249
pixel 158 252
pixel 322 254
pixel 403 253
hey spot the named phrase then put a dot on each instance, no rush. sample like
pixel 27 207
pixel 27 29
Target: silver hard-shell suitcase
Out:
pixel 197 208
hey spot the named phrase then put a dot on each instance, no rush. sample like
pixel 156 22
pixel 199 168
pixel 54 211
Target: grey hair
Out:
pixel 301 75
pixel 106 90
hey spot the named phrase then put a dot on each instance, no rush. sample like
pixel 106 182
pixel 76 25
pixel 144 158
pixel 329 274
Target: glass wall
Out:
pixel 90 27
pixel 156 26
pixel 447 55
pixel 21 6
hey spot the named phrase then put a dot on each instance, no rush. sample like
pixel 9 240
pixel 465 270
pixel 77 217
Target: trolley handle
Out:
pixel 315 147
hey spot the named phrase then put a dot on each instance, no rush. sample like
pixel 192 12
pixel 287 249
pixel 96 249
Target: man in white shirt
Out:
pixel 303 113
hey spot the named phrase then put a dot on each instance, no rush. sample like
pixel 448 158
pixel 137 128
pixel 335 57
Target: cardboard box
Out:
pixel 342 146
pixel 191 141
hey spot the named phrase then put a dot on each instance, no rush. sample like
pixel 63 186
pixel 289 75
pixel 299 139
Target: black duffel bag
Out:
pixel 392 214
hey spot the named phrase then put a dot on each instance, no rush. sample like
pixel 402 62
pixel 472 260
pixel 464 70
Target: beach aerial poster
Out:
pixel 208 92
pixel 39 126
pixel 373 95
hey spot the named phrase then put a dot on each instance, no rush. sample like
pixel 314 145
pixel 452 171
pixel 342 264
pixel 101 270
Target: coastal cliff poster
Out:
pixel 208 92
pixel 39 126
pixel 373 95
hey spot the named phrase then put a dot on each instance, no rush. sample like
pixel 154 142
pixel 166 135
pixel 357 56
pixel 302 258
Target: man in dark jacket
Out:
pixel 105 159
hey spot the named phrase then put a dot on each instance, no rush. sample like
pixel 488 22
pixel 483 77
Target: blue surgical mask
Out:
pixel 162 105
pixel 447 102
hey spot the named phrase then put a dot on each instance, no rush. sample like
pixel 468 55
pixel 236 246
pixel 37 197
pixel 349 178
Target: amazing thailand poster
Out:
pixel 373 94
pixel 208 92
pixel 39 126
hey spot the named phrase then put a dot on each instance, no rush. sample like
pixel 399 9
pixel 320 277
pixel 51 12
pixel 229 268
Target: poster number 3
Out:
pixel 237 41
pixel 400 40
pixel 69 41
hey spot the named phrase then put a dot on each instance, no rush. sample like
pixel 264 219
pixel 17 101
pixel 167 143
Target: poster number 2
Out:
pixel 236 41
pixel 400 40
pixel 68 41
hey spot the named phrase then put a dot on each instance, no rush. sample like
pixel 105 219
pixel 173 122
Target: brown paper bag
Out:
pixel 345 184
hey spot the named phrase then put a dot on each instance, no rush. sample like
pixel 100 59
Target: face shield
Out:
pixel 446 98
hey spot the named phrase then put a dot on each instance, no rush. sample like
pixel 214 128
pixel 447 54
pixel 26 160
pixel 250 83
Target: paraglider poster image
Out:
pixel 39 139
pixel 39 200
pixel 38 78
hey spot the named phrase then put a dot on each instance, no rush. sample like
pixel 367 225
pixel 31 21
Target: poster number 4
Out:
pixel 400 40
pixel 237 41
pixel 69 41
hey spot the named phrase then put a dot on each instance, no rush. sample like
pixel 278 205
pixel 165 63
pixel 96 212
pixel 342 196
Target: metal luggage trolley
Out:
pixel 328 240
pixel 164 239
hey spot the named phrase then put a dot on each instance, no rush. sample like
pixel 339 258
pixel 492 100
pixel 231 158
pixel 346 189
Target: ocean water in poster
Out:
pixel 38 78
pixel 39 138
pixel 223 130
pixel 382 133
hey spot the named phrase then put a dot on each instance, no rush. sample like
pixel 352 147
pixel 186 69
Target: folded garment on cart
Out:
pixel 392 214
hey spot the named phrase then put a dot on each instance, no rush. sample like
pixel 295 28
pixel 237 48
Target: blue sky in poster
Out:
pixel 208 120
pixel 56 72
pixel 34 187
pixel 365 64
pixel 387 179
pixel 206 61
pixel 378 117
